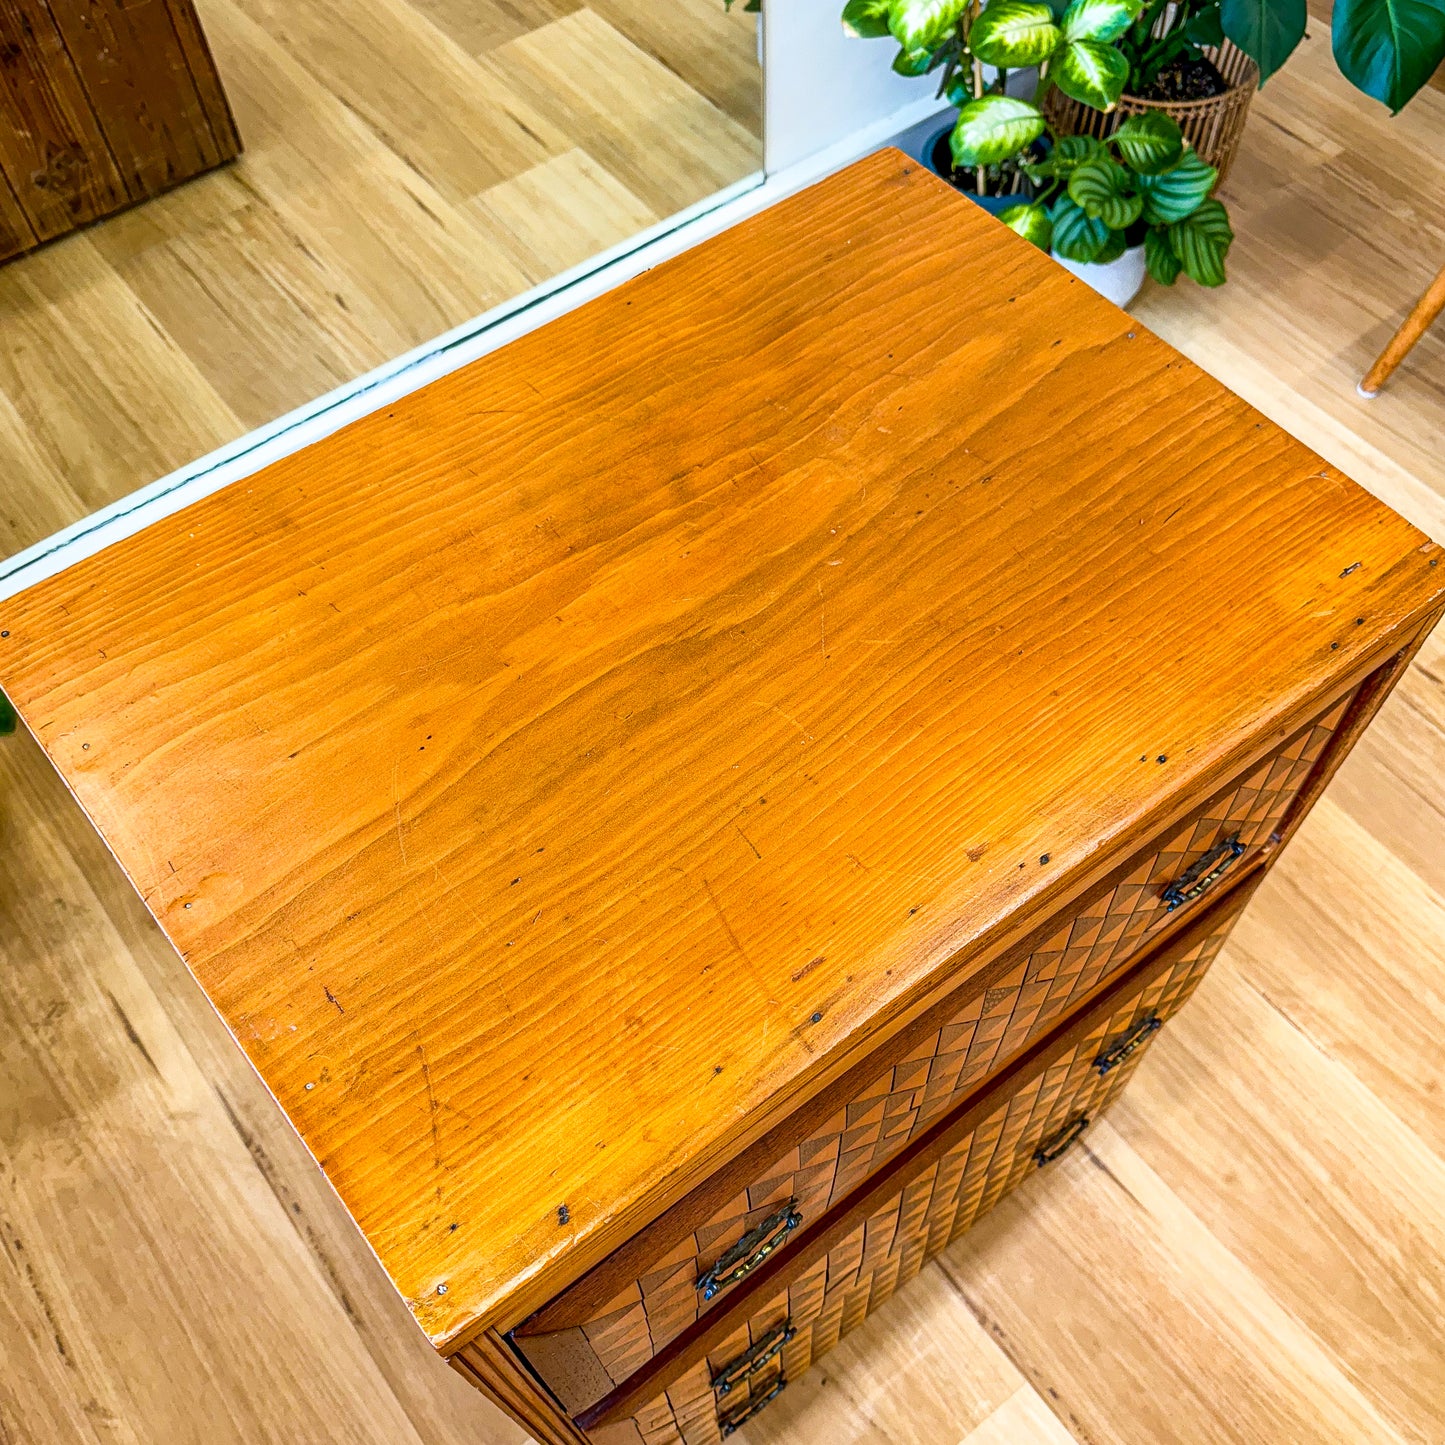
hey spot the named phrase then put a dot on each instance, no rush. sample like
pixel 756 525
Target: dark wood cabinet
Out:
pixel 102 104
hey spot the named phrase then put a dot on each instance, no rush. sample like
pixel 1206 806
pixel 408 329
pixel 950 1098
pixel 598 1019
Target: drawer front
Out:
pixel 1101 937
pixel 1040 1119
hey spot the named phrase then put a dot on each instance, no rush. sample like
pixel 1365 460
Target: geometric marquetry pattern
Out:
pixel 993 1027
pixel 834 1295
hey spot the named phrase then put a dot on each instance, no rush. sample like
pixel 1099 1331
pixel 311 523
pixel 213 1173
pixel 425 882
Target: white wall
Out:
pixel 821 85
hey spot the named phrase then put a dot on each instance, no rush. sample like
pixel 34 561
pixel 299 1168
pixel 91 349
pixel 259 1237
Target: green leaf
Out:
pixel 1266 30
pixel 1164 266
pixel 1113 248
pixel 1015 33
pixel 7 713
pixel 1101 20
pixel 1205 27
pixel 1092 72
pixel 1177 192
pixel 913 62
pixel 1102 187
pixel 1077 236
pixel 867 19
pixel 994 128
pixel 1201 241
pixel 1389 48
pixel 1149 143
pixel 922 24
pixel 1031 222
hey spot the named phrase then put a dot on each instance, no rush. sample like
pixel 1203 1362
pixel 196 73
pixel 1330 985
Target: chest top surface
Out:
pixel 551 773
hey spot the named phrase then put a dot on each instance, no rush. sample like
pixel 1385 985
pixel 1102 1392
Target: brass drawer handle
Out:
pixel 1112 1058
pixel 729 1423
pixel 1202 875
pixel 1051 1148
pixel 751 1361
pixel 751 1250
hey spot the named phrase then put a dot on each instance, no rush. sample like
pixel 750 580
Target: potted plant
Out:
pixel 1109 208
pixel 1180 65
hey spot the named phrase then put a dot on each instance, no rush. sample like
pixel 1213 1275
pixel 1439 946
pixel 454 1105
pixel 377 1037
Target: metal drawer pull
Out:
pixel 1112 1058
pixel 1201 875
pixel 751 1361
pixel 729 1423
pixel 1050 1149
pixel 751 1250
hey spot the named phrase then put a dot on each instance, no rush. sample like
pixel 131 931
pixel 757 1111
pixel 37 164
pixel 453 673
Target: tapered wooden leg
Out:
pixel 1427 308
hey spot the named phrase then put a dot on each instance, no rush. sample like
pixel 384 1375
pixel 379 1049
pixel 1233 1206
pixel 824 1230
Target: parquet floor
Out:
pixel 1250 1248
pixel 408 164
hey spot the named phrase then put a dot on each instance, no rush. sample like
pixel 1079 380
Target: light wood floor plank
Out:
pixel 641 122
pixel 1330 1201
pixel 918 1372
pixel 558 214
pixel 106 397
pixel 344 236
pixel 1137 1323
pixel 461 128
pixel 1022 1419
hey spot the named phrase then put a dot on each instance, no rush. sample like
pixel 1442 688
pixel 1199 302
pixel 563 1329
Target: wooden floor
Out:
pixel 1250 1248
pixel 409 164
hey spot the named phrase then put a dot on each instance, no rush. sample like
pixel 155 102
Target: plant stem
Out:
pixel 980 179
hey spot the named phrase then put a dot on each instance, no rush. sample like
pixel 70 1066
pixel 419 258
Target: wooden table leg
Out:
pixel 1427 308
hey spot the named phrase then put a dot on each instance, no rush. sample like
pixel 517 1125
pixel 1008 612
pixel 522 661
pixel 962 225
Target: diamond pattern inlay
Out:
pixel 834 1295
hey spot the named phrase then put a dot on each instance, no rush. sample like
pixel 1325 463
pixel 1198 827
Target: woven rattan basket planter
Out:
pixel 1213 127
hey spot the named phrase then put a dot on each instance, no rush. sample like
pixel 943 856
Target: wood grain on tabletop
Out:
pixel 518 770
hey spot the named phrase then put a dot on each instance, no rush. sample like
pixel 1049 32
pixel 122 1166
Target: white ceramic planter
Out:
pixel 1118 280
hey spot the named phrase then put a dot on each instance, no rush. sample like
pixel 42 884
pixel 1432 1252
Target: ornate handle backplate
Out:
pixel 1059 1143
pixel 728 1423
pixel 1203 873
pixel 751 1361
pixel 1112 1057
pixel 751 1250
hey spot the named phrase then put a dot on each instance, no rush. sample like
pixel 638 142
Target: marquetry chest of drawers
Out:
pixel 688 811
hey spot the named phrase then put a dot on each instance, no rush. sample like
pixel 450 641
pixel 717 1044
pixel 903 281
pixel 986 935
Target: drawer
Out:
pixel 678 1268
pixel 775 1331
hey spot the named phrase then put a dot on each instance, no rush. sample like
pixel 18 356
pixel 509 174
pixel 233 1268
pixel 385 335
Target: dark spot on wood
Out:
pixel 563 1214
pixel 977 852
pixel 1353 567
pixel 1163 758
pixel 817 1018
pixel 1043 858
pixel 130 1032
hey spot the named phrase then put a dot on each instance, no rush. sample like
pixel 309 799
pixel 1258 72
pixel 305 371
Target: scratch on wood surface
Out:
pixel 431 1098
pixel 808 967
pixel 727 927
pixel 396 810
pixel 750 843
pixel 788 717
